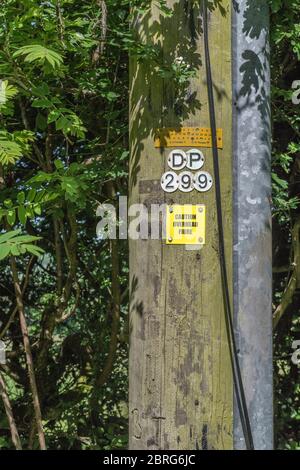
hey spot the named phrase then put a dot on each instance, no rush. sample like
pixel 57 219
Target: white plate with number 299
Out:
pixel 186 181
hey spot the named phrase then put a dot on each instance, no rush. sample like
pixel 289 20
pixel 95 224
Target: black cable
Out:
pixel 237 377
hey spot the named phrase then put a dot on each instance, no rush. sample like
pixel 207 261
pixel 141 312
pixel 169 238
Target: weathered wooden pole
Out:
pixel 180 376
pixel 181 385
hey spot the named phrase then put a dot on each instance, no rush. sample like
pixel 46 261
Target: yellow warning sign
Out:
pixel 187 137
pixel 185 224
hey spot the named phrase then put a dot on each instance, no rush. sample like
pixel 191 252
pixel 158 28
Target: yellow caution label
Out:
pixel 185 224
pixel 187 137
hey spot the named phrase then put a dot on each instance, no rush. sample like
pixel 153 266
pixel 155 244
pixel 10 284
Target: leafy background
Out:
pixel 285 61
pixel 64 150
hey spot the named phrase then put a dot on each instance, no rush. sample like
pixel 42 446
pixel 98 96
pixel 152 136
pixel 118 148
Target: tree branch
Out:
pixel 28 354
pixel 9 413
pixel 116 307
pixel 100 47
pixel 294 280
pixel 24 287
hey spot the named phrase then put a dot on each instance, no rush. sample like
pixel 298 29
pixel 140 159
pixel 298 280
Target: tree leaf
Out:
pixel 22 215
pixel 10 151
pixel 11 216
pixel 38 53
pixel 4 251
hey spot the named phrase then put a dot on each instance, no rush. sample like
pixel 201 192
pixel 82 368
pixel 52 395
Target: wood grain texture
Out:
pixel 181 394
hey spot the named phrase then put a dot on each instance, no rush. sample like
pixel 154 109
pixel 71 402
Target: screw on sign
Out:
pixel 185 224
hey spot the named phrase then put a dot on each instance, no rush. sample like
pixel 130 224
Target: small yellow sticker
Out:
pixel 185 224
pixel 187 137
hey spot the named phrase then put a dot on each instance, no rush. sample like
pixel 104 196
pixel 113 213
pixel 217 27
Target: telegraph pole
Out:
pixel 181 383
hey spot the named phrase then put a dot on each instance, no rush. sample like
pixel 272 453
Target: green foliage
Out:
pixel 63 142
pixel 285 57
pixel 26 206
pixel 14 145
pixel 180 73
pixel 12 243
pixel 65 121
pixel 7 92
pixel 39 54
pixel 9 151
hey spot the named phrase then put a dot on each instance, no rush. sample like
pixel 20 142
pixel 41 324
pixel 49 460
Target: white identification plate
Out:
pixel 203 181
pixel 169 182
pixel 195 159
pixel 177 159
pixel 186 181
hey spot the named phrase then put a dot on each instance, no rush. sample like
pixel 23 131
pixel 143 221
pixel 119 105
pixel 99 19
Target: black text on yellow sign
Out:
pixel 185 224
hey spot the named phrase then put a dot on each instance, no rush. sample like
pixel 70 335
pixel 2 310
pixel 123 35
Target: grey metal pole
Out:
pixel 252 216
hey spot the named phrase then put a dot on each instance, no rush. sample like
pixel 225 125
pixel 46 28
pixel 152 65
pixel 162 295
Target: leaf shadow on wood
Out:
pixel 167 102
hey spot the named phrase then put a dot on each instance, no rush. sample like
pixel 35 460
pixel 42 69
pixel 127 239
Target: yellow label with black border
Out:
pixel 185 224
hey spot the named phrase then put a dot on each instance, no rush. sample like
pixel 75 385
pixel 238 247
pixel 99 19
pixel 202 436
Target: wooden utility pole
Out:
pixel 181 386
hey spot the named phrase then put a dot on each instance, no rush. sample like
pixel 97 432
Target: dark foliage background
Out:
pixel 285 60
